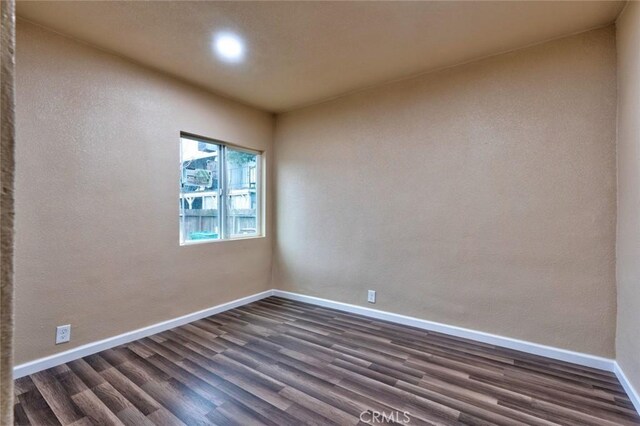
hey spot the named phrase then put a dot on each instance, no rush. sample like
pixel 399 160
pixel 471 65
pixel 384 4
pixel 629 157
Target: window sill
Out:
pixel 199 242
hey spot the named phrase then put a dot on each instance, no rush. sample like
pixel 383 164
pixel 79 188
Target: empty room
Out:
pixel 320 213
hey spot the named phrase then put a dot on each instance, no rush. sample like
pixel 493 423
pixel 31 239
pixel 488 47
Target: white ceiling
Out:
pixel 303 52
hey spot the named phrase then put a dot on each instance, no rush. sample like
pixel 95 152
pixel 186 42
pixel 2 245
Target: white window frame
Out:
pixel 223 191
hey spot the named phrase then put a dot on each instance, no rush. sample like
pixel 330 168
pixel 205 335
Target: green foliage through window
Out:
pixel 239 158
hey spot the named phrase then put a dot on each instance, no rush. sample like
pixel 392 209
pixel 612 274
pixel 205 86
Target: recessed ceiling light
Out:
pixel 229 47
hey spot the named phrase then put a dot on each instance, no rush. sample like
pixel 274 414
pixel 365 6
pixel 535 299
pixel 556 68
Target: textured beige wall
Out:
pixel 482 196
pixel 628 241
pixel 97 186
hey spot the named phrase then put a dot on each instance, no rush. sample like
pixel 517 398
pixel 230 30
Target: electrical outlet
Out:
pixel 371 296
pixel 63 333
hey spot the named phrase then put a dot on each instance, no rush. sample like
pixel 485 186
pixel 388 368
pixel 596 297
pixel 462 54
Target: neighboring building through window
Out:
pixel 219 191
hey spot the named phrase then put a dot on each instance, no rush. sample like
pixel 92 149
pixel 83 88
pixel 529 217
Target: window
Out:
pixel 220 188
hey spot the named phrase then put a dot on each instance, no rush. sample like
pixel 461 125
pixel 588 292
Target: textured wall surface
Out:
pixel 482 196
pixel 7 179
pixel 97 187
pixel 628 241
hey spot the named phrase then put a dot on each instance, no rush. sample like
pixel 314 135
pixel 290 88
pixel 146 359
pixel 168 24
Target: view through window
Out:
pixel 219 191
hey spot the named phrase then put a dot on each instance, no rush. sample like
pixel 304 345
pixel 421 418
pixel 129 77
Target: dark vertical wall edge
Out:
pixel 7 166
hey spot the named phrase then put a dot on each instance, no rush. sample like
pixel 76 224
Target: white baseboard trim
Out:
pixel 479 336
pixel 632 393
pixel 506 342
pixel 92 348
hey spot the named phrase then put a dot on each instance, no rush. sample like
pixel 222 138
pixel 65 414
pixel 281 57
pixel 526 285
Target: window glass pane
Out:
pixel 199 190
pixel 241 210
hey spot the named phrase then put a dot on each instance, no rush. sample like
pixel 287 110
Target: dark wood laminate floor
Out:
pixel 279 362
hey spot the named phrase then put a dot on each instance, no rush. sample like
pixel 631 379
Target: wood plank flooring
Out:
pixel 278 362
